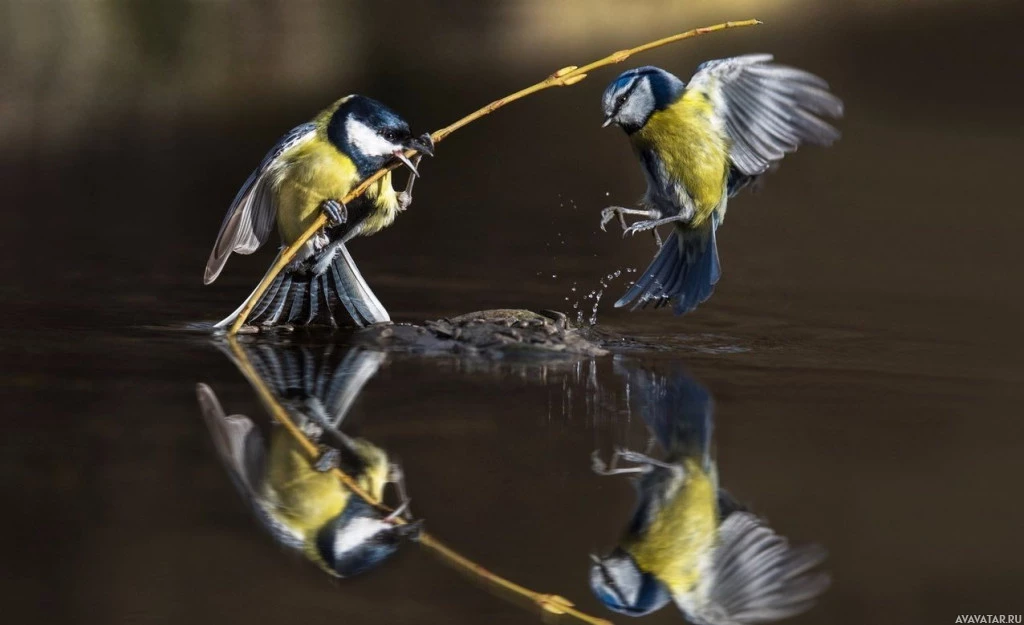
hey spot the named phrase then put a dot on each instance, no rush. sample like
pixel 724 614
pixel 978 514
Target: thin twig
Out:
pixel 562 78
pixel 549 603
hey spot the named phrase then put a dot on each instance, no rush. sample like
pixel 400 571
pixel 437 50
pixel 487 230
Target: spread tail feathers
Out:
pixel 685 270
pixel 301 297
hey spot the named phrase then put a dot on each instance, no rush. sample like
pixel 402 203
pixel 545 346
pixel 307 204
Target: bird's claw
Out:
pixel 405 197
pixel 395 473
pixel 404 200
pixel 335 211
pixel 312 430
pixel 638 226
pixel 396 476
pixel 607 215
pixel 328 460
pixel 633 456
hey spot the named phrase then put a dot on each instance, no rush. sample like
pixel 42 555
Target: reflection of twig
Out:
pixel 562 78
pixel 553 604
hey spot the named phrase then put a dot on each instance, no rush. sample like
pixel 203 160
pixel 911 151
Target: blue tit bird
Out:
pixel 308 172
pixel 701 143
pixel 295 498
pixel 689 541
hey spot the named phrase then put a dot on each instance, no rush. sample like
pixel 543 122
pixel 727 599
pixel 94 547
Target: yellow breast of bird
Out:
pixel 677 543
pixel 690 147
pixel 303 498
pixel 316 171
pixel 309 174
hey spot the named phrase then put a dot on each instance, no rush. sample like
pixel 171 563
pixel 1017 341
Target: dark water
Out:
pixel 863 347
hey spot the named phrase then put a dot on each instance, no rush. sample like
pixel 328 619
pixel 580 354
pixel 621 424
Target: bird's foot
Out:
pixel 328 460
pixel 649 224
pixel 612 212
pixel 335 211
pixel 609 214
pixel 396 476
pixel 599 467
pixel 646 462
pixel 405 197
pixel 312 430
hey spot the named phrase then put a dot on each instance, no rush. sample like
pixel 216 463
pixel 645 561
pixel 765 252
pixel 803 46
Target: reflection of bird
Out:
pixel 689 541
pixel 308 172
pixel 297 499
pixel 699 144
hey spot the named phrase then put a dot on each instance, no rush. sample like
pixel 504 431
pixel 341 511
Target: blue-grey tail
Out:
pixel 684 271
pixel 337 296
pixel 677 409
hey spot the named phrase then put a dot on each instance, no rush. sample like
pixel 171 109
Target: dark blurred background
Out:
pixel 873 290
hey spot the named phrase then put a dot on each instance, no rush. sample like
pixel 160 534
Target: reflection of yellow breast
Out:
pixel 303 498
pixel 693 152
pixel 680 538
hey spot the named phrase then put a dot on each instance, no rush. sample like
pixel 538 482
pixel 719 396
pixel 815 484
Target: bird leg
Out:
pixel 611 212
pixel 641 226
pixel 396 476
pixel 335 211
pixel 646 461
pixel 611 468
pixel 405 197
pixel 328 460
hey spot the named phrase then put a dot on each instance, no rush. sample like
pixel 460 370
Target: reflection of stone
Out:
pixel 499 332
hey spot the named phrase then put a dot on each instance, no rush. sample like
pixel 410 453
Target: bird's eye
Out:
pixel 620 101
pixel 390 135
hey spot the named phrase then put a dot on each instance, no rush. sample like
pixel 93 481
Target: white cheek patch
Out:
pixel 356 533
pixel 365 140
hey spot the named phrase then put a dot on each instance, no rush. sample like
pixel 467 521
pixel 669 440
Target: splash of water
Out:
pixel 595 295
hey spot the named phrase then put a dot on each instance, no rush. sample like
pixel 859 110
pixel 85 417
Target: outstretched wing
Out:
pixel 241 449
pixel 251 216
pixel 238 442
pixel 767 110
pixel 757 576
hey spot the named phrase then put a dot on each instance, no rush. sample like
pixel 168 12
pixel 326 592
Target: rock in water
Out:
pixel 500 333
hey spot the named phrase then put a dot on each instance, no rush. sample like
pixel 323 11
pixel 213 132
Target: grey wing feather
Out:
pixel 767 110
pixel 757 576
pixel 238 442
pixel 240 447
pixel 348 381
pixel 250 218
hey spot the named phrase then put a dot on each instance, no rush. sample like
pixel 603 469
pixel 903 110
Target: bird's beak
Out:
pixel 608 121
pixel 411 531
pixel 400 155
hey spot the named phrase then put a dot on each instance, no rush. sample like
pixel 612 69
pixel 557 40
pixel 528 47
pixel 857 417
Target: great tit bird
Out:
pixel 688 541
pixel 308 172
pixel 701 143
pixel 295 498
